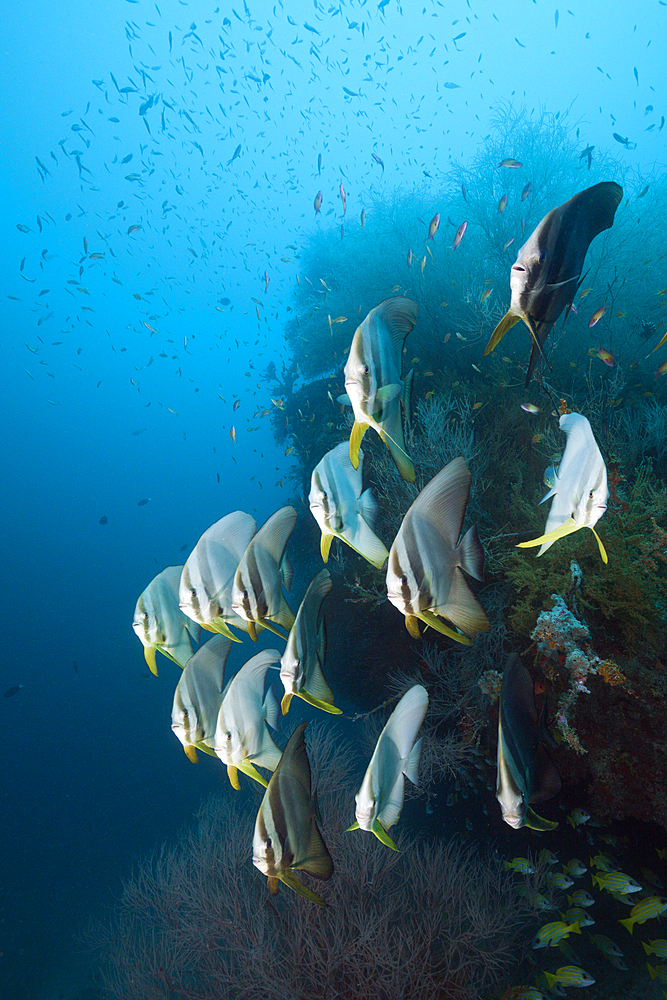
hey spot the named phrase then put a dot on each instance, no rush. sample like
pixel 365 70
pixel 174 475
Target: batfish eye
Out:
pixel 366 370
pixel 193 592
pixel 245 595
pixel 228 735
pixel 185 716
pixel 404 581
pixel 145 616
pixel 541 259
pixel 591 495
pixel 267 843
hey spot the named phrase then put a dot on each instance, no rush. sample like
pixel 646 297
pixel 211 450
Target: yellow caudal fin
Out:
pixel 506 323
pixel 325 545
pixel 435 623
pixel 535 822
pixel 295 883
pixel 356 437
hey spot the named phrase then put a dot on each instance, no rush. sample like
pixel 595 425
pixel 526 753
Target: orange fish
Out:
pixel 433 226
pixel 460 233
pixel 318 202
pixel 597 315
pixel 604 355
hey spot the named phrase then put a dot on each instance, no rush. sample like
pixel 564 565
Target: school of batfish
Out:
pixel 234 582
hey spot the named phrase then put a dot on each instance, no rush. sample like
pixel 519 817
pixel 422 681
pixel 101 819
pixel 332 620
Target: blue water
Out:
pixel 91 773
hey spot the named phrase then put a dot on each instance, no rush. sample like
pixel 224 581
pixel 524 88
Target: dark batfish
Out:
pixel 526 773
pixel 547 273
pixel 104 519
pixel 10 692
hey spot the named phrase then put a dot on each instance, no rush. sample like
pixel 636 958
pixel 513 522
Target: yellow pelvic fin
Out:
pixel 222 628
pixel 209 628
pixel 325 545
pixel 191 753
pixel 326 706
pixel 252 772
pixel 383 836
pixel 506 323
pixel 603 551
pixel 284 704
pixel 295 883
pixel 412 625
pixel 356 438
pixel 149 656
pixel 535 822
pixel 271 627
pixel 429 618
pixel 567 528
pixel 274 885
pixel 252 631
pixel 233 775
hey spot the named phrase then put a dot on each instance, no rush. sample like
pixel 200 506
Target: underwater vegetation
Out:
pixel 436 920
pixel 601 366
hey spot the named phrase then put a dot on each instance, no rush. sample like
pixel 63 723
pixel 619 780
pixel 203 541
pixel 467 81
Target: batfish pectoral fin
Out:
pixel 383 836
pixel 412 625
pixel 233 775
pixel 149 656
pixel 274 885
pixel 221 627
pixel 191 753
pixel 325 545
pixel 355 826
pixel 319 703
pixel 295 883
pixel 506 323
pixel 567 528
pixel 252 772
pixel 356 437
pixel 429 618
pixel 603 551
pixel 535 822
pixel 284 704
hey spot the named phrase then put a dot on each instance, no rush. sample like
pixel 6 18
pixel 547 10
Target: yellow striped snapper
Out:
pixel 617 882
pixel 379 801
pixel 424 573
pixel 374 387
pixel 645 909
pixel 569 975
pixel 577 915
pixel 526 773
pixel 521 865
pixel 580 898
pixel 606 945
pixel 159 622
pixel 287 837
pixel 575 868
pixel 547 272
pixel 553 933
pixel 241 737
pixel 657 972
pixel 198 697
pixel 657 947
pixel 580 492
pixel 205 592
pixel 302 662
pixel 341 509
pixel 256 592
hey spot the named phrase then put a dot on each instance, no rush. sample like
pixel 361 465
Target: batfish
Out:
pixel 161 624
pixel 198 697
pixel 547 273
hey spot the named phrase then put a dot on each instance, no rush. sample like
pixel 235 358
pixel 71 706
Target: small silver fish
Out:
pixel 302 662
pixel 374 386
pixel 341 509
pixel 424 572
pixel 159 622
